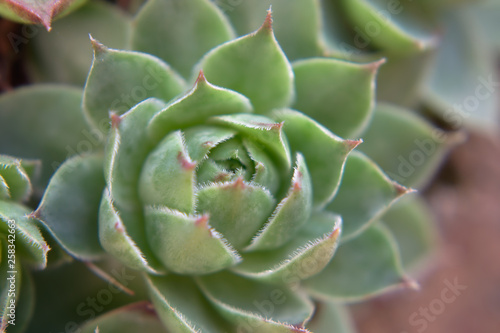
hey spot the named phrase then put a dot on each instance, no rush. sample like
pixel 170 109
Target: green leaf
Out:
pixel 180 32
pixel 362 267
pixel 134 317
pixel 127 148
pixel 302 257
pixel 338 94
pixel 200 139
pixel 236 209
pixel 365 194
pixel 331 317
pixel 118 80
pixel 249 304
pixel 37 12
pixel 15 180
pixel 290 214
pixel 30 244
pixel 266 172
pixel 255 66
pixel 65 55
pixel 69 207
pixel 396 27
pixel 182 307
pixel 462 88
pixel 116 239
pixel 262 130
pixel 35 118
pixel 324 152
pixel 407 147
pixel 168 175
pixel 194 108
pixel 298 40
pixel 413 226
pixel 187 244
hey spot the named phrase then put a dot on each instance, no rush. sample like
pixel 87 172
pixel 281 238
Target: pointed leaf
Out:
pixel 118 80
pixel 262 130
pixel 338 94
pixel 199 140
pixel 115 239
pixel 30 244
pixel 126 150
pixel 236 209
pixel 69 207
pixel 365 194
pixel 182 307
pixel 255 66
pixel 304 256
pixel 324 152
pixel 298 40
pixel 362 267
pixel 35 118
pixel 37 12
pixel 64 55
pixel 203 101
pixel 248 304
pixel 331 317
pixel 462 88
pixel 187 244
pixel 168 175
pixel 163 27
pixel 413 226
pixel 400 29
pixel 128 319
pixel 290 214
pixel 407 147
pixel 266 172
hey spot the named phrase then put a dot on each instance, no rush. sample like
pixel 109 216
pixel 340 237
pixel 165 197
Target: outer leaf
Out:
pixel 194 108
pixel 118 80
pixel 116 239
pixel 249 305
pixel 64 55
pixel 400 29
pixel 324 152
pixel 127 148
pixel 132 318
pixel 298 40
pixel 406 147
pixel 187 244
pixel 180 32
pixel 304 256
pixel 168 176
pixel 336 93
pixel 361 268
pixel 34 119
pixel 70 205
pixel 255 66
pixel 182 307
pixel 331 317
pixel 290 214
pixel 412 224
pixel 463 87
pixel 29 241
pixel 364 195
pixel 238 222
pixel 37 12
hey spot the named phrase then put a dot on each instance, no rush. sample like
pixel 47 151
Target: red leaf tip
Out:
pixel 239 183
pixel 374 66
pixel 401 190
pixel 201 78
pixel 118 227
pixel 115 119
pixel 97 46
pixel 184 162
pixel 335 234
pixel 351 144
pixel 268 22
pixel 202 221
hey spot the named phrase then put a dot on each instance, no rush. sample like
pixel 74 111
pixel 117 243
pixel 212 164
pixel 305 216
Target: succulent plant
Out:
pixel 228 175
pixel 22 245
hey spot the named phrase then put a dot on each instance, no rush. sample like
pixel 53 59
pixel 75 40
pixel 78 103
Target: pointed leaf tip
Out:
pixel 202 221
pixel 201 78
pixel 351 144
pixel 185 162
pixel 268 22
pixel 402 190
pixel 115 119
pixel 97 46
pixel 374 66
